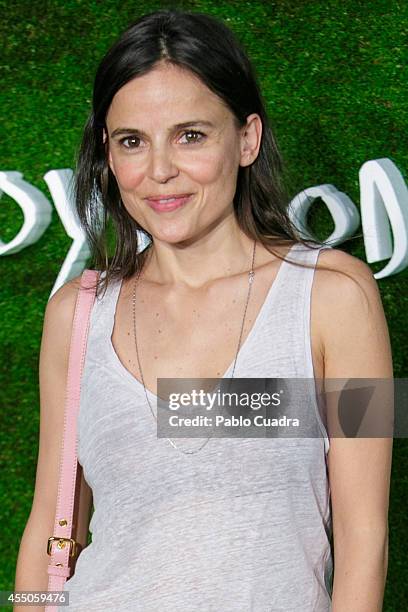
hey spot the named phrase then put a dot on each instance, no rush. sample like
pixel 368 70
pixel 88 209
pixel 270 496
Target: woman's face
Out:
pixel 152 155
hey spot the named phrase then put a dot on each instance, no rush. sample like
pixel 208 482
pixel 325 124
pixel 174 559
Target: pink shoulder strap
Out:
pixel 60 544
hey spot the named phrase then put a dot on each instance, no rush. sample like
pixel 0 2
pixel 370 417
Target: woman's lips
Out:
pixel 168 204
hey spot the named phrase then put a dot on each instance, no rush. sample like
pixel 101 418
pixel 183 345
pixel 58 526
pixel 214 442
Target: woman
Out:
pixel 178 150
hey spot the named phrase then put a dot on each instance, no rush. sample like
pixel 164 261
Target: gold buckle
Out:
pixel 61 544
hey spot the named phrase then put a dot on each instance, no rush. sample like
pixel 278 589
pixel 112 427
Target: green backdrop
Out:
pixel 334 79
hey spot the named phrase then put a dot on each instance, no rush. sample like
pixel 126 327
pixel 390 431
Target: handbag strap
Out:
pixel 60 545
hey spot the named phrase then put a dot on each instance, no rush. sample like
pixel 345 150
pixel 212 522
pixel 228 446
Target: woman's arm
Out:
pixel 32 562
pixel 356 344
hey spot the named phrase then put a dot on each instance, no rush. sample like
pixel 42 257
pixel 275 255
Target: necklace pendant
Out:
pixel 251 277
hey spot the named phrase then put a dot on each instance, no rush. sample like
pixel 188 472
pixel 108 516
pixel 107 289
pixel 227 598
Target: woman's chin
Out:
pixel 172 237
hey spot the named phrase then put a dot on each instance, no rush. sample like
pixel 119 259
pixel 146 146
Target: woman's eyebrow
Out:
pixel 177 126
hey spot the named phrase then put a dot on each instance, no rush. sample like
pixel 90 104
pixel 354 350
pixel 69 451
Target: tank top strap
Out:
pixel 305 254
pixel 293 309
pixel 103 315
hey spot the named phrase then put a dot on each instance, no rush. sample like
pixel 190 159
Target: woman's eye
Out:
pixel 129 138
pixel 198 136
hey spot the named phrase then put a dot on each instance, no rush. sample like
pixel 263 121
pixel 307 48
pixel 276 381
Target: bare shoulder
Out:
pixel 344 280
pixel 62 303
pixel 57 325
pixel 350 315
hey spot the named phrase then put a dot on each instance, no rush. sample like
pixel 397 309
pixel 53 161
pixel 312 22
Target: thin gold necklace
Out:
pixel 251 275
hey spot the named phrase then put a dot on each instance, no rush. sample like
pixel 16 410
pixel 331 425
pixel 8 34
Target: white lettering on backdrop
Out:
pixel 383 205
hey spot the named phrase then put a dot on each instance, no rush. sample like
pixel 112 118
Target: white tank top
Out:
pixel 244 525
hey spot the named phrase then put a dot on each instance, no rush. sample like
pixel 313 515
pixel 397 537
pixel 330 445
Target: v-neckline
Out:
pixel 261 313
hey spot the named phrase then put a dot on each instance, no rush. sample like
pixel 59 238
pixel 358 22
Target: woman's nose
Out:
pixel 162 166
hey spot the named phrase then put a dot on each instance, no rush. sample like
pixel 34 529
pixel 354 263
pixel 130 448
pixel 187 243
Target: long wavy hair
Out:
pixel 209 49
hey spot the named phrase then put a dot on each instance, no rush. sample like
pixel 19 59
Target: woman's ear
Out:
pixel 250 140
